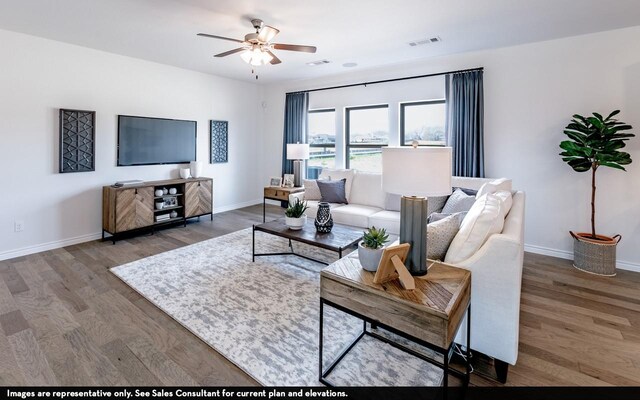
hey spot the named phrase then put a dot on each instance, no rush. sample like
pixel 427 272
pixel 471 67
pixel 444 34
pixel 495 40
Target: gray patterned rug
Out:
pixel 263 316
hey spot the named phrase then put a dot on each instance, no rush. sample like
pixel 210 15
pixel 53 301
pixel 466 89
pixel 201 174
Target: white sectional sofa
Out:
pixel 496 268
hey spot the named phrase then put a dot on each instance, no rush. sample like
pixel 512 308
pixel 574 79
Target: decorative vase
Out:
pixel 196 169
pixel 295 224
pixel 159 192
pixel 369 258
pixel 173 214
pixel 165 191
pixel 185 173
pixel 173 191
pixel 159 205
pixel 324 220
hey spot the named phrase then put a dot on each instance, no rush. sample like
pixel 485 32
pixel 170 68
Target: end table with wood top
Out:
pixel 277 193
pixel 430 315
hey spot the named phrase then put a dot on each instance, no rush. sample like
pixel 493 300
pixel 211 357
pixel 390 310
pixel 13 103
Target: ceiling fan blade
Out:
pixel 267 33
pixel 275 59
pixel 228 53
pixel 220 37
pixel 294 47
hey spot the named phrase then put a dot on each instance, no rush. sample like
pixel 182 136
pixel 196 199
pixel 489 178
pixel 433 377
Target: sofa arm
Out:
pixel 294 196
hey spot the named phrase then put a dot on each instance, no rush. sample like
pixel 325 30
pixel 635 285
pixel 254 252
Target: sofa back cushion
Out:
pixel 483 220
pixel 336 175
pixel 366 190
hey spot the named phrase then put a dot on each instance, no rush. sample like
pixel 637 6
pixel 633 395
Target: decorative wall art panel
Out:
pixel 77 140
pixel 219 141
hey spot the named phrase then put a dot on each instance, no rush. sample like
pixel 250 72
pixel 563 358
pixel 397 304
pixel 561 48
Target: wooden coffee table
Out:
pixel 339 239
pixel 430 315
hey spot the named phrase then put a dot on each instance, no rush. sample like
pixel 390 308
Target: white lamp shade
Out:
pixel 297 151
pixel 420 171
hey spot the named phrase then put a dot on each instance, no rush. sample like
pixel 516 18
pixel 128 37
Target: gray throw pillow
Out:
pixel 311 190
pixel 435 204
pixel 392 202
pixel 333 191
pixel 438 216
pixel 440 234
pixel 459 201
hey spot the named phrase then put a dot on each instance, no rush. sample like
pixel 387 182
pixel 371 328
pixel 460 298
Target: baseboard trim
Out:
pixel 56 244
pixel 568 255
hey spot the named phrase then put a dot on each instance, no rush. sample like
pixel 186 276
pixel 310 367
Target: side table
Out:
pixel 277 193
pixel 430 315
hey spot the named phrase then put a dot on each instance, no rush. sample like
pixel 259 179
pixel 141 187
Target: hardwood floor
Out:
pixel 66 320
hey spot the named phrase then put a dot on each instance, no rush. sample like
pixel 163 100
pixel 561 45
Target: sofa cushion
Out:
pixel 392 201
pixel 494 186
pixel 438 216
pixel 312 211
pixel 389 220
pixel 337 174
pixel 354 215
pixel 483 220
pixel 333 191
pixel 459 201
pixel 440 234
pixel 366 189
pixel 311 190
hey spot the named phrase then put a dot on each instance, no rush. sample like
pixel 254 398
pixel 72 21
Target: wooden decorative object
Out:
pixel 77 140
pixel 392 266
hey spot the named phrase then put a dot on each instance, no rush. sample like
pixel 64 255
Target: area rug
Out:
pixel 264 316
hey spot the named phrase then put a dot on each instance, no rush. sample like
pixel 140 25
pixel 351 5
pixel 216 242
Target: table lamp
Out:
pixel 297 152
pixel 415 173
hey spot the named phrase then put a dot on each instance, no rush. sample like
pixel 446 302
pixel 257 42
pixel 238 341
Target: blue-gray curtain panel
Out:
pixel 295 125
pixel 465 122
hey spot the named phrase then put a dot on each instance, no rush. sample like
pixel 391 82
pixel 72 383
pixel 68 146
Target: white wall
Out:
pixel 39 76
pixel 530 92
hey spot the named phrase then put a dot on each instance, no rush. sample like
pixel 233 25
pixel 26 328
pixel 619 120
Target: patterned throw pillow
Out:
pixel 440 234
pixel 438 216
pixel 311 190
pixel 459 201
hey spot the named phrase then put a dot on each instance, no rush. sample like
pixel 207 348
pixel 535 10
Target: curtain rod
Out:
pixel 387 80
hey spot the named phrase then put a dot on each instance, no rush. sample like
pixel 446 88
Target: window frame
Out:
pixel 402 119
pixel 347 131
pixel 317 111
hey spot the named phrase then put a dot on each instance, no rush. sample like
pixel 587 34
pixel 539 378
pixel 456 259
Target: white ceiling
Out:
pixel 368 32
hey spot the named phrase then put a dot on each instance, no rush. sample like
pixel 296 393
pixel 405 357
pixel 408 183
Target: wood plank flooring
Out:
pixel 66 320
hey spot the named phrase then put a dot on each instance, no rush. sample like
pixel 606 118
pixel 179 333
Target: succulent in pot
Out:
pixel 595 142
pixel 295 217
pixel 371 247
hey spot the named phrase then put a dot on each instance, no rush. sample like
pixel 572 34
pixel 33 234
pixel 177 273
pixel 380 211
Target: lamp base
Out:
pixel 298 172
pixel 413 230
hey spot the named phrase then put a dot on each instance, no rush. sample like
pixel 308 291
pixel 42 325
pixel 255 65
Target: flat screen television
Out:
pixel 152 141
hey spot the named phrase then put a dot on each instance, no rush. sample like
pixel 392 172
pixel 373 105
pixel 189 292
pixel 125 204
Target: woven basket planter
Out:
pixel 595 256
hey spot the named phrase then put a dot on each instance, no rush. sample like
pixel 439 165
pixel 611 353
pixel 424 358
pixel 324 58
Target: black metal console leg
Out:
pixel 502 368
pixel 253 243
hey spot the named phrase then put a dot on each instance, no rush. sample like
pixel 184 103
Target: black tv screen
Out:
pixel 147 141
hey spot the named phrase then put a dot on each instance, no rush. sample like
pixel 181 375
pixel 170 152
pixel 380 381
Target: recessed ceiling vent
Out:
pixel 435 39
pixel 319 62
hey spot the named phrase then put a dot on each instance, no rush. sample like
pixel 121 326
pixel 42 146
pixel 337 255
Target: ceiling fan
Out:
pixel 257 47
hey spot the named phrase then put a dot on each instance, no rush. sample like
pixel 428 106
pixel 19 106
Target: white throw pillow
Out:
pixel 506 201
pixel 483 220
pixel 336 175
pixel 392 202
pixel 311 190
pixel 495 185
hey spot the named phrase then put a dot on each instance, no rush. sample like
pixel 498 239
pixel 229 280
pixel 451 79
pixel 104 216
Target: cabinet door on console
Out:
pixel 134 208
pixel 198 198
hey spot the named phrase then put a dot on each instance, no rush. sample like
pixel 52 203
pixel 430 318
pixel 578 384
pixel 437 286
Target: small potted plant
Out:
pixel 595 142
pixel 371 247
pixel 295 217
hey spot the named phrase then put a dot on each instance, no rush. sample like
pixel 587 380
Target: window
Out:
pixel 322 141
pixel 423 121
pixel 367 131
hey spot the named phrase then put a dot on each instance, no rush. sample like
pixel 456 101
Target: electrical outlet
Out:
pixel 18 226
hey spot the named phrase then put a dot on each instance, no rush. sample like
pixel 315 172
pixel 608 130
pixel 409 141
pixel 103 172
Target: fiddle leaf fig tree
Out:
pixel 595 142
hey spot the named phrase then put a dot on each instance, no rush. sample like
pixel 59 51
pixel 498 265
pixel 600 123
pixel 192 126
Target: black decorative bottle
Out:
pixel 324 220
